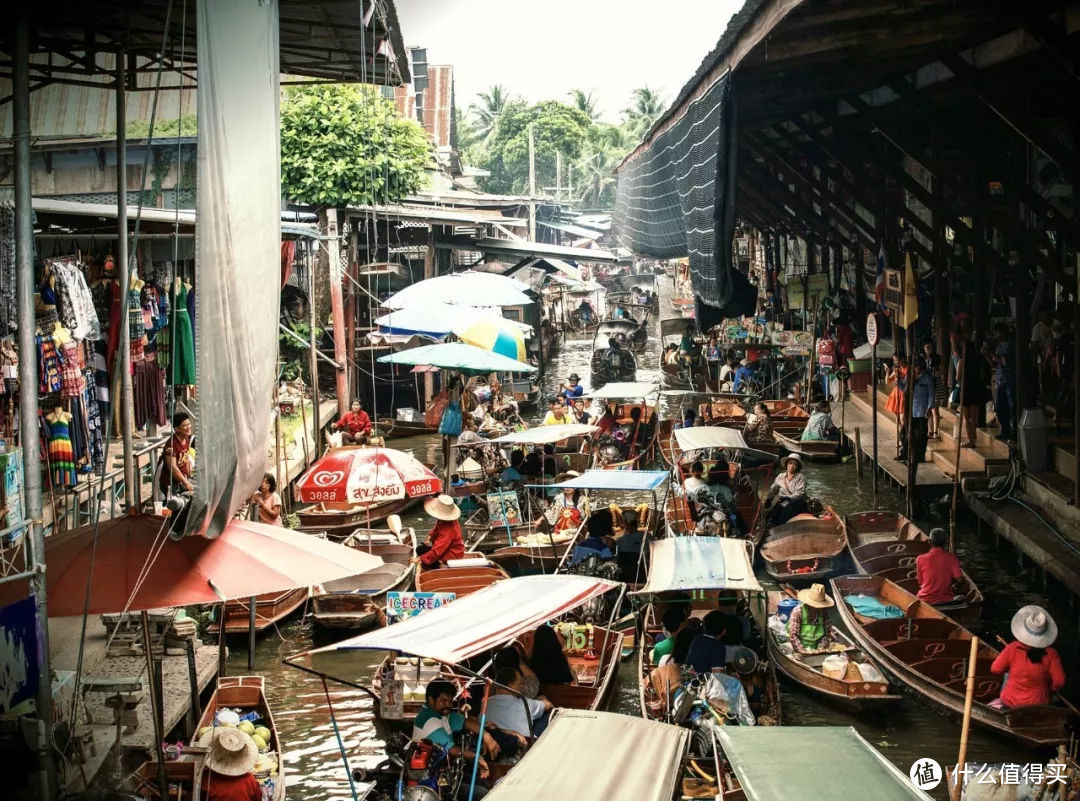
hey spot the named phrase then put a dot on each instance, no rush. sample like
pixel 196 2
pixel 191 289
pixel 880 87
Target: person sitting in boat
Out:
pixel 745 372
pixel 444 541
pixel 572 388
pixel 585 309
pixel 548 659
pixel 758 429
pixel 579 413
pixel 707 651
pixel 229 768
pixel 686 343
pixel 469 427
pixel 628 547
pixel 938 570
pixel 607 420
pixel 670 622
pixel 718 484
pixel 598 541
pixel 681 642
pixel 1033 670
pixel 440 725
pixel 788 491
pixel 570 508
pixel 511 474
pixel 671 354
pixel 614 357
pixel 695 481
pixel 689 419
pixel 808 625
pixel 636 433
pixel 820 427
pixel 727 372
pixel 514 656
pixel 511 712
pixel 353 424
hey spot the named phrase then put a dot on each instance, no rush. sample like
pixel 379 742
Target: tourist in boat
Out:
pixel 938 570
pixel 671 354
pixel 601 532
pixel 628 547
pixel 636 435
pixel 511 474
pixel 707 651
pixel 689 419
pixel 788 492
pixel 820 426
pixel 579 412
pixel 607 420
pixel 695 481
pixel 267 501
pixel 353 424
pixel 572 388
pixel 547 659
pixel 438 723
pixel 511 712
pixel 686 343
pixel 229 767
pixel 444 541
pixel 585 310
pixel 681 642
pixel 670 622
pixel 758 429
pixel 513 656
pixel 743 374
pixel 809 629
pixel 1033 670
pixel 549 463
pixel 614 357
pixel 718 484
pixel 558 416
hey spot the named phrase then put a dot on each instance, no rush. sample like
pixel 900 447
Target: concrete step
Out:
pixel 985 437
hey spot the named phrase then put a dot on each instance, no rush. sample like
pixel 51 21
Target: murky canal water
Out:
pixel 908 731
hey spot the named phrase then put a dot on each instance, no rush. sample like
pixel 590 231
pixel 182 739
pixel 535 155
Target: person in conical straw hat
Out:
pixel 809 628
pixel 1032 669
pixel 230 762
pixel 444 541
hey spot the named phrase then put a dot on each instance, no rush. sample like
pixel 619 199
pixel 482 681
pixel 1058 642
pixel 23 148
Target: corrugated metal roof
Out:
pixel 574 230
pixel 437 215
pixel 522 247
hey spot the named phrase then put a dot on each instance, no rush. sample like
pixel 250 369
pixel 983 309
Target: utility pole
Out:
pixel 532 185
pixel 127 398
pixel 558 176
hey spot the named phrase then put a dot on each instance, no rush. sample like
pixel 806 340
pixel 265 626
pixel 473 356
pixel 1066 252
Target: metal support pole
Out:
pixel 313 365
pixel 158 720
pixel 127 400
pixel 873 416
pixel 28 385
pixel 251 631
pixel 532 185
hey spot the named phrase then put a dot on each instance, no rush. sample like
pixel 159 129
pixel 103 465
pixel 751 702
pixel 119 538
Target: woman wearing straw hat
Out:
pixel 229 763
pixel 808 626
pixel 444 541
pixel 788 491
pixel 1032 669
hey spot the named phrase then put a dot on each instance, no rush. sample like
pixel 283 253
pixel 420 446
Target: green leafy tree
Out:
pixel 490 107
pixel 346 145
pixel 557 127
pixel 605 146
pixel 645 106
pixel 584 101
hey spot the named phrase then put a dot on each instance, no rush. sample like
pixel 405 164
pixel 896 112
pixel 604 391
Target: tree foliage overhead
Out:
pixel 556 126
pixel 346 145
pixel 486 112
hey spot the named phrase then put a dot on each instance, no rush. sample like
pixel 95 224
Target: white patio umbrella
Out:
pixel 468 289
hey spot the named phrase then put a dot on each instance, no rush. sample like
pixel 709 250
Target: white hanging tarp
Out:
pixel 237 262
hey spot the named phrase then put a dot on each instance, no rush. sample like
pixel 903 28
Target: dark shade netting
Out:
pixel 677 197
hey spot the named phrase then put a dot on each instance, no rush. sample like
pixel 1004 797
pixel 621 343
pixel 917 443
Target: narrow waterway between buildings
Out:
pixel 910 730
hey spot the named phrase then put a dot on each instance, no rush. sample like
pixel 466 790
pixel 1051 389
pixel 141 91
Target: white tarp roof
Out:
pixel 482 620
pixel 692 439
pixel 541 435
pixel 624 390
pixel 700 563
pixel 585 754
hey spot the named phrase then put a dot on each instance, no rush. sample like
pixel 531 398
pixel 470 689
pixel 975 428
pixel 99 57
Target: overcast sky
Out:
pixel 540 51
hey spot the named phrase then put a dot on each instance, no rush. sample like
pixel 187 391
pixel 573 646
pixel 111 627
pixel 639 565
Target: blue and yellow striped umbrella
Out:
pixel 498 336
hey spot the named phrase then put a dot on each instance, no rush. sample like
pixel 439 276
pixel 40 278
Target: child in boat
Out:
pixel 808 626
pixel 1033 670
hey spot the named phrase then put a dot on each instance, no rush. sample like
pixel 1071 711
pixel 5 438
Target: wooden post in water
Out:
pixel 195 713
pixel 873 336
pixel 223 652
pixel 153 677
pixel 859 455
pixel 959 442
pixel 956 789
pixel 251 632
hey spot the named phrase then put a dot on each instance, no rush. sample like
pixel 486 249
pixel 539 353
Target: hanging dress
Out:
pixel 48 364
pixel 61 453
pixel 182 361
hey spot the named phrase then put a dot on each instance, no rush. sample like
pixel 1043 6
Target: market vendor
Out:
pixel 808 626
pixel 444 541
pixel 938 570
pixel 229 768
pixel 1033 670
pixel 354 424
pixel 788 491
pixel 820 427
pixel 438 723
pixel 178 458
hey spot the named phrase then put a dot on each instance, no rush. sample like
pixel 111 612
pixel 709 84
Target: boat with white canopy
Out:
pixel 633 437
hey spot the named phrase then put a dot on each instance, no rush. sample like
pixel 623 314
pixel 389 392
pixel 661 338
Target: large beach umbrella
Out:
pixel 459 356
pixel 366 475
pixel 468 289
pixel 439 319
pixel 136 567
pixel 498 336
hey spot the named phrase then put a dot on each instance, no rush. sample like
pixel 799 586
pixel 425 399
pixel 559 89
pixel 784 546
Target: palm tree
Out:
pixel 645 106
pixel 487 111
pixel 584 101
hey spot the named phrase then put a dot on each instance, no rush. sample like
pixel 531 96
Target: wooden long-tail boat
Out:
pixel 527 560
pixel 357 602
pixel 485 536
pixel 886 544
pixel 852 689
pixel 814 450
pixel 390 428
pixel 459 580
pixel 927 651
pixel 806 548
pixel 339 520
pixel 247 694
pixel 269 609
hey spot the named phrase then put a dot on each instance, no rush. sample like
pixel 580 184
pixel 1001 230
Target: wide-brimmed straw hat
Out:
pixel 789 457
pixel 1034 627
pixel 573 377
pixel 442 507
pixel 232 753
pixel 815 597
pixel 566 475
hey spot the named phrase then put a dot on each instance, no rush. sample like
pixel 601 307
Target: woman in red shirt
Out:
pixel 445 541
pixel 1033 670
pixel 228 775
pixel 354 424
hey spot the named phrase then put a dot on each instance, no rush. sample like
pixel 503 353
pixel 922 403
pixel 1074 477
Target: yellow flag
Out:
pixel 911 294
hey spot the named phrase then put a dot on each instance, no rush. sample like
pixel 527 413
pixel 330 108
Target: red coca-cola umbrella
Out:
pixel 364 475
pixel 135 568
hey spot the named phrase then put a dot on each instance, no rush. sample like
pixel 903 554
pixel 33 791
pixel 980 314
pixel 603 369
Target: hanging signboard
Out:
pixel 873 336
pixel 400 605
pixel 19 674
pixel 503 508
pixel 894 291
